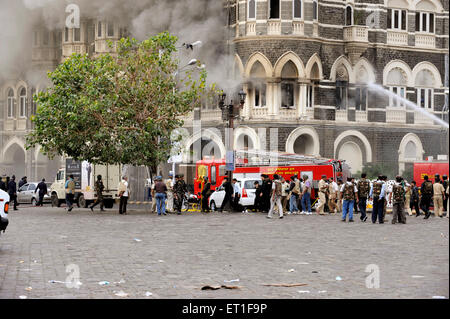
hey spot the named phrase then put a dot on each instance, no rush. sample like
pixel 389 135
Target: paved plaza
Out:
pixel 174 256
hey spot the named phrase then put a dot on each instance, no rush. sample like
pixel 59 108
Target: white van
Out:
pixel 4 206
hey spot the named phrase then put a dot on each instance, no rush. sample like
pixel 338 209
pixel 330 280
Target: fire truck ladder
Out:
pixel 265 158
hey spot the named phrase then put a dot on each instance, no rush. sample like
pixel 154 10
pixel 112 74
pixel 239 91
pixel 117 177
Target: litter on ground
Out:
pixel 338 278
pixel 121 294
pixel 232 280
pixel 303 291
pixel 284 285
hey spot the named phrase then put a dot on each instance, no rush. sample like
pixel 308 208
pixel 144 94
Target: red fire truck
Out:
pixel 286 165
pixel 430 169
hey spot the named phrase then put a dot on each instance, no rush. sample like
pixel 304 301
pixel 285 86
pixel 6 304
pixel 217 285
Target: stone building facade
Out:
pixel 305 66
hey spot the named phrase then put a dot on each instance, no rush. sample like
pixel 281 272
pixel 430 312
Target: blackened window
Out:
pixel 66 34
pixel 315 9
pixel 348 16
pixel 110 30
pixel 287 94
pixel 341 95
pixel 389 19
pixel 252 9
pixel 274 9
pixel 99 29
pixel 297 9
pixel 77 34
pixel 361 99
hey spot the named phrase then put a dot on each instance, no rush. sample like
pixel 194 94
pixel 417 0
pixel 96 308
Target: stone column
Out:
pixel 247 105
pixel 301 108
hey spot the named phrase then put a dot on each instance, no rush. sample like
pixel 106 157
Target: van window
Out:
pixel 213 175
pixel 60 176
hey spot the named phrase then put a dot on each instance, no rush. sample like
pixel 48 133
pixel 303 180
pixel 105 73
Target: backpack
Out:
pixel 349 192
pixel 364 188
pixel 296 189
pixel 278 189
pixel 377 186
pixel 428 188
pixel 398 192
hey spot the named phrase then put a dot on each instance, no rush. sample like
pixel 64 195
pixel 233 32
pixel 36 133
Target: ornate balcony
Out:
pixel 361 116
pixel 287 114
pixel 426 41
pixel 395 115
pixel 356 33
pixel 211 115
pixel 341 116
pixel 399 38
pixel 420 118
pixel 250 28
pixel 259 113
pixel 298 28
pixel 274 27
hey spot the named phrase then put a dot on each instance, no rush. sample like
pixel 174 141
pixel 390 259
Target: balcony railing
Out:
pixel 356 33
pixel 250 28
pixel 361 116
pixel 274 27
pixel 259 113
pixel 309 112
pixel 298 28
pixel 394 115
pixel 341 116
pixel 426 41
pixel 397 37
pixel 420 118
pixel 211 115
pixel 287 113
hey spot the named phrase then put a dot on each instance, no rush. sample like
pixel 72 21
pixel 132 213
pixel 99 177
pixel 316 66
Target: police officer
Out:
pixel 99 187
pixel 363 187
pixel 206 192
pixel 323 186
pixel 377 194
pixel 12 191
pixel 426 191
pixel 42 187
pixel 398 201
pixel 180 190
pixel 445 184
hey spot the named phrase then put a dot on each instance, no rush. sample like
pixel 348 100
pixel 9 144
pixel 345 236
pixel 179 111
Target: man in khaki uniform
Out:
pixel 332 189
pixel 438 198
pixel 339 196
pixel 323 186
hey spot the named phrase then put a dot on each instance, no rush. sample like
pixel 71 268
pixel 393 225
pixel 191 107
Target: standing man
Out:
pixel 398 201
pixel 180 190
pixel 285 192
pixel 160 195
pixel 323 186
pixel 407 197
pixel 377 194
pixel 257 203
pixel 340 182
pixel 385 198
pixel 445 184
pixel 237 192
pixel 98 187
pixel 426 191
pixel 277 193
pixel 266 193
pixel 169 186
pixel 294 189
pixel 349 194
pixel 415 198
pixel 123 194
pixel 306 196
pixel 229 191
pixel 23 181
pixel 70 192
pixel 42 187
pixel 12 191
pixel 206 192
pixel 363 187
pixel 332 190
pixel 438 198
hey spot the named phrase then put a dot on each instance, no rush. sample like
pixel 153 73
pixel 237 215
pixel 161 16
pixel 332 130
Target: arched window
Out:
pixel 259 84
pixel 311 88
pixel 397 83
pixel 66 34
pixel 425 16
pixel 252 9
pixel 23 102
pixel 349 16
pixel 110 29
pixel 425 93
pixel 288 77
pixel 274 9
pixel 315 10
pixel 297 9
pixel 77 34
pixel 10 103
pixel 342 78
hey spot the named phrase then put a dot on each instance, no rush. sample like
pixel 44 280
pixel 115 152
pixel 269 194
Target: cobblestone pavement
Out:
pixel 177 255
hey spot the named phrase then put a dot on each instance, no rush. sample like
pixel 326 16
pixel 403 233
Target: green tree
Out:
pixel 118 108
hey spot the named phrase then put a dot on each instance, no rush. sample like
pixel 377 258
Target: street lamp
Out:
pixel 228 115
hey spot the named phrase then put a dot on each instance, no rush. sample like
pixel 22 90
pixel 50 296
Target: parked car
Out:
pixel 27 194
pixel 4 206
pixel 247 198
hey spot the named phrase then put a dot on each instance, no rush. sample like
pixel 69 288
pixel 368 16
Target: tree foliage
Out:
pixel 118 108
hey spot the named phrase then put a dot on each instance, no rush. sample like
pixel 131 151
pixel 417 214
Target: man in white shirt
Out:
pixel 237 193
pixel 123 194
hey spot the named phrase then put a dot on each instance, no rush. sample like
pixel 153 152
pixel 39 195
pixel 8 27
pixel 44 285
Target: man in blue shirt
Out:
pixel 378 194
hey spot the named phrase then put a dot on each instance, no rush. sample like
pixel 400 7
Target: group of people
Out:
pixel 294 197
pixel 9 185
pixel 167 195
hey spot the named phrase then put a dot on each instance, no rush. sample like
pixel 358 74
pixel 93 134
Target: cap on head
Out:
pixel 324 176
pixel 425 177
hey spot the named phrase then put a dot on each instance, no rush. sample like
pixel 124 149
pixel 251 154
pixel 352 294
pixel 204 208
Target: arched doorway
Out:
pixel 14 161
pixel 304 145
pixel 353 156
pixel 303 141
